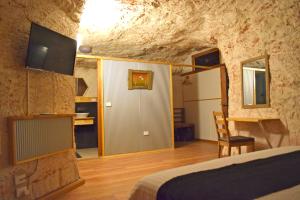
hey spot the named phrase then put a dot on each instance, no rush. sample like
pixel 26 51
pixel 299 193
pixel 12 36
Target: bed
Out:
pixel 169 184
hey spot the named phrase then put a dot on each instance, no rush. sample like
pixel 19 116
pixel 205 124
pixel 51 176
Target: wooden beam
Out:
pixel 122 59
pixel 171 107
pixel 192 66
pixel 203 69
pixel 100 112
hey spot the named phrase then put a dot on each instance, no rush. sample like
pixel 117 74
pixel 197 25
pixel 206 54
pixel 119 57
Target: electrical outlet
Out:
pixel 146 133
pixel 108 104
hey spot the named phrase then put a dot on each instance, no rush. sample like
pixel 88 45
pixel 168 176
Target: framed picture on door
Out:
pixel 140 79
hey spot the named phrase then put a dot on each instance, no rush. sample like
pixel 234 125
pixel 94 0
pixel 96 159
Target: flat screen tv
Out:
pixel 50 51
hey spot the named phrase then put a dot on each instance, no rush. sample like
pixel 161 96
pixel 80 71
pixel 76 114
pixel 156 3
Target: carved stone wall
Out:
pixel 273 27
pixel 47 92
pixel 246 29
pixel 242 29
pixel 157 30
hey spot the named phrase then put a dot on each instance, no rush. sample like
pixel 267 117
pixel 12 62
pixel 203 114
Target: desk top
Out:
pixel 84 118
pixel 250 119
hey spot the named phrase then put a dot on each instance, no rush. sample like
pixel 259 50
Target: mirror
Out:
pixel 255 82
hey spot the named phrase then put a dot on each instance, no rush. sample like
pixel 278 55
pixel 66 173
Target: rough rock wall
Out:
pixel 250 29
pixel 48 92
pixel 241 30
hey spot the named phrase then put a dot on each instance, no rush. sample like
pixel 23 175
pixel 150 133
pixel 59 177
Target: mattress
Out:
pixel 147 187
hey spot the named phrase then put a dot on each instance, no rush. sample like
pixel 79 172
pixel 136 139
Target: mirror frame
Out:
pixel 267 76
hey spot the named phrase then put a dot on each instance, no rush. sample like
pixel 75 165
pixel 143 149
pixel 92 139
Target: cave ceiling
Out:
pixel 154 29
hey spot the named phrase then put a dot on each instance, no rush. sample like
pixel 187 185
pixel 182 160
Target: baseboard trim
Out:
pixel 63 190
pixel 210 141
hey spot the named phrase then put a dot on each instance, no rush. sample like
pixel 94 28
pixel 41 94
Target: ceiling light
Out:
pixel 100 14
pixel 85 49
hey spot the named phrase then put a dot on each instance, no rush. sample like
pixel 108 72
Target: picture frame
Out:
pixel 140 79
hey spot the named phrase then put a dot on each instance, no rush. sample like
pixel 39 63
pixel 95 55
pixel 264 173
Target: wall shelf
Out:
pixel 84 121
pixel 81 99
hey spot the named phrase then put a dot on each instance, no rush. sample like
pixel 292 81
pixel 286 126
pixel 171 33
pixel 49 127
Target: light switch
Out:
pixel 108 104
pixel 146 133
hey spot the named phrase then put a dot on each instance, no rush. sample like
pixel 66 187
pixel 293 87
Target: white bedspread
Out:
pixel 147 187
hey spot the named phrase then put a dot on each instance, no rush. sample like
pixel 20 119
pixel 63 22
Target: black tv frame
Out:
pixel 54 32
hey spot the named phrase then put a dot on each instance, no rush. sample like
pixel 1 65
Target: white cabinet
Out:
pixel 201 97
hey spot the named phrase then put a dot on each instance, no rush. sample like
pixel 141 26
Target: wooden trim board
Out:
pixel 136 153
pixel 121 59
pixel 216 98
pixel 267 77
pixel 11 122
pixel 101 144
pixel 224 89
pixel 44 156
pixel 250 119
pixel 210 141
pixel 41 116
pixel 140 60
pixel 84 121
pixel 205 69
pixel 171 107
pixel 82 99
pixel 192 66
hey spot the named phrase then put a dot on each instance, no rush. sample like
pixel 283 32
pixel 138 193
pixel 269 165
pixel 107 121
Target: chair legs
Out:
pixel 239 148
pixel 219 150
pixel 229 150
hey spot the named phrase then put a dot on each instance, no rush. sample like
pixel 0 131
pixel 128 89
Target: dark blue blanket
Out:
pixel 248 180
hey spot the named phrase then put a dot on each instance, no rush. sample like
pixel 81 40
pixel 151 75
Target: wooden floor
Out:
pixel 112 178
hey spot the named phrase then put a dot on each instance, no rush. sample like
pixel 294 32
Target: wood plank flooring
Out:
pixel 112 178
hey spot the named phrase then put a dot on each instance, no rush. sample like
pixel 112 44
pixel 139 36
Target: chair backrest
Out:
pixel 179 115
pixel 221 125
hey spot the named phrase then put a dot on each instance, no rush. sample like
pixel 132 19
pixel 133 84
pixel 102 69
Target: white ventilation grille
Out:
pixel 35 138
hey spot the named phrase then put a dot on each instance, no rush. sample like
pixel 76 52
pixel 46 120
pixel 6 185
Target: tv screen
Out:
pixel 50 51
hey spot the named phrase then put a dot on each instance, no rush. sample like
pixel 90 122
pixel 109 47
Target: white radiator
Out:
pixel 39 136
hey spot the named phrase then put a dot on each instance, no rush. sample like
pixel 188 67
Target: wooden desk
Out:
pixel 259 121
pixel 84 121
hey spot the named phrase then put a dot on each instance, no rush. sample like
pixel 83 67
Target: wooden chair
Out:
pixel 224 137
pixel 183 131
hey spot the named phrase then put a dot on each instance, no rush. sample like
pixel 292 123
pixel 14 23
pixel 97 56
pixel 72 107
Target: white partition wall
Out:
pixel 130 113
pixel 202 96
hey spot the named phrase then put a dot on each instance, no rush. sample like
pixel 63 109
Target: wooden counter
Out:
pixel 84 121
pixel 259 121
